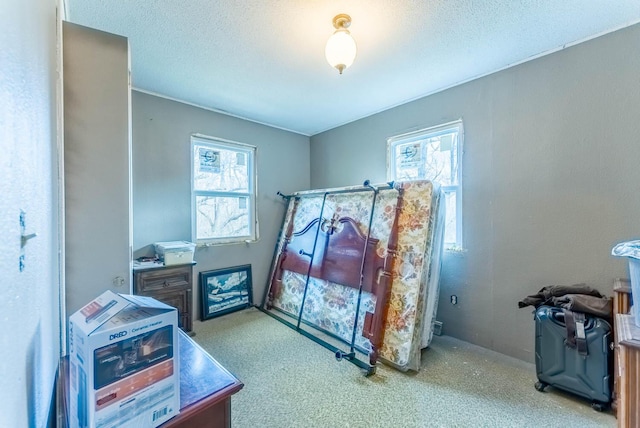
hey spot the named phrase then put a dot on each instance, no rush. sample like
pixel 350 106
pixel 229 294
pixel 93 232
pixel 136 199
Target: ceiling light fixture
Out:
pixel 341 48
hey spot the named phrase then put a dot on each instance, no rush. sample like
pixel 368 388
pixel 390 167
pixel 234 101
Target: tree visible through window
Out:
pixel 223 191
pixel 433 154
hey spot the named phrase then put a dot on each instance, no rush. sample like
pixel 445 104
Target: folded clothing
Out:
pixel 601 307
pixel 576 298
pixel 546 294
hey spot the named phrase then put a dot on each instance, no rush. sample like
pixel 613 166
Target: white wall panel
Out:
pixel 29 298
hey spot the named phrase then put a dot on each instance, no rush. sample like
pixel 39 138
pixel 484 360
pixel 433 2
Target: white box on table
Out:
pixel 634 276
pixel 124 365
pixel 175 252
pixel 631 250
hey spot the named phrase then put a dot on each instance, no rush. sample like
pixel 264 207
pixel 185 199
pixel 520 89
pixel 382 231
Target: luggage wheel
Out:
pixel 370 371
pixel 598 407
pixel 540 386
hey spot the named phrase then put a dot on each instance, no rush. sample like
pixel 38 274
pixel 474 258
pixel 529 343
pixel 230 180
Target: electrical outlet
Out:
pixel 454 299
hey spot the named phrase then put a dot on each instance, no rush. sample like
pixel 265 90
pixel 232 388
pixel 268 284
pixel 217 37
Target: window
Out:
pixel 223 192
pixel 433 154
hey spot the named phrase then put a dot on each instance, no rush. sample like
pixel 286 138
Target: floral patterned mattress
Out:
pixel 412 304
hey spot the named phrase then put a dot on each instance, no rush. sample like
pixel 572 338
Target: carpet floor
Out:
pixel 290 381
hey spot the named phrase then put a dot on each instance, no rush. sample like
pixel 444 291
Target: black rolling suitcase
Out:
pixel 577 359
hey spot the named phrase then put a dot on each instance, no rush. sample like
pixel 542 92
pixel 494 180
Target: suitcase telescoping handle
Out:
pixel 558 316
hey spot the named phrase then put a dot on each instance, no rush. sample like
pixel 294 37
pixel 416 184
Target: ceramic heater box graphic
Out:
pixel 123 361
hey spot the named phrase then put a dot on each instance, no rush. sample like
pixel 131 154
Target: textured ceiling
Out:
pixel 263 60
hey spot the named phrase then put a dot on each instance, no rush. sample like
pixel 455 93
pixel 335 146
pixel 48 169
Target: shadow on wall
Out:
pixel 39 415
pixel 146 251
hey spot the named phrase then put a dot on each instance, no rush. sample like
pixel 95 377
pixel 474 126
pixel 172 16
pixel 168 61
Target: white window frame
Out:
pixel 423 134
pixel 251 152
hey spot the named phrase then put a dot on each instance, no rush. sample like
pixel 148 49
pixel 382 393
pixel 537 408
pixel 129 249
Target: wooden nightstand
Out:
pixel 172 285
pixel 621 305
pixel 628 371
pixel 621 296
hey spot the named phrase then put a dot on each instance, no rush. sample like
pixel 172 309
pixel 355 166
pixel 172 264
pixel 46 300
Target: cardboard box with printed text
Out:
pixel 123 362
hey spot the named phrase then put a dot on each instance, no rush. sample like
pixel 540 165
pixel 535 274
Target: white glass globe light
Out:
pixel 340 50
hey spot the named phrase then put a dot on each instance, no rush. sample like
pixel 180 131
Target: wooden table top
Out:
pixel 201 376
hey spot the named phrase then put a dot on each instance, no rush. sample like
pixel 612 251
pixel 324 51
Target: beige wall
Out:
pixel 96 164
pixel 550 180
pixel 162 181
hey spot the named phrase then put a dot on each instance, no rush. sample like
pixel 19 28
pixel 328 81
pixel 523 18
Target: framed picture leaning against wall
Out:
pixel 225 290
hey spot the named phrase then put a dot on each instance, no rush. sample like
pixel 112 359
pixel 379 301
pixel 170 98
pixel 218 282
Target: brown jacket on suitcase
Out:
pixel 577 298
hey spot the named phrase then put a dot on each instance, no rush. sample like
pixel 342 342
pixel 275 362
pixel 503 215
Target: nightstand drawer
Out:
pixel 162 279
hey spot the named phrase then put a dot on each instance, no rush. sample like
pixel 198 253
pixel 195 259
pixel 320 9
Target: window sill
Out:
pixel 221 243
pixel 456 251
